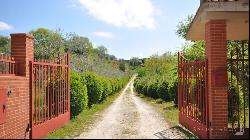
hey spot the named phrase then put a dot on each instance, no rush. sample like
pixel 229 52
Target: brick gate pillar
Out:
pixel 216 54
pixel 23 52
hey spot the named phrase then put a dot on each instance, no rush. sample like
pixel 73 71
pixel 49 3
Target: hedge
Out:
pixel 95 87
pixel 78 94
pixel 89 88
pixel 156 87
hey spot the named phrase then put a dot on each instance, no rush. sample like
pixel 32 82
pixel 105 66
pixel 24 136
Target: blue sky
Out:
pixel 126 27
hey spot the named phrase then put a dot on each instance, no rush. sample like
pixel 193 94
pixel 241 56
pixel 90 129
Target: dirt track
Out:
pixel 128 117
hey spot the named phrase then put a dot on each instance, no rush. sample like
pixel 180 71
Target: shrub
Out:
pixel 113 85
pixel 88 88
pixel 94 86
pixel 151 86
pixel 107 88
pixel 173 90
pixel 100 87
pixel 78 94
pixel 141 72
pixel 162 91
pixel 140 85
pixel 151 89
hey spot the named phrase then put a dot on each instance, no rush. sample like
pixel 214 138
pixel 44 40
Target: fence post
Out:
pixel 23 52
pixel 216 54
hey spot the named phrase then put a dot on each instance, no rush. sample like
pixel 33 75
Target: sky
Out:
pixel 128 28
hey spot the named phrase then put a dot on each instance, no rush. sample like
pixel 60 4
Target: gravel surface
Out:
pixel 128 117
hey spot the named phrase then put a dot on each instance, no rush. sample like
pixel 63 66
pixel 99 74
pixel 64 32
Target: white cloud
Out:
pixel 4 26
pixel 122 13
pixel 103 34
pixel 73 5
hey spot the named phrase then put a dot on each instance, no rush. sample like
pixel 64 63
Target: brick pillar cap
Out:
pixel 21 35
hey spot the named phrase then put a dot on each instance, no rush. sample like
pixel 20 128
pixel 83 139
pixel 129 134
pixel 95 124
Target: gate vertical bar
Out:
pixel 44 86
pixel 50 93
pixel 38 94
pixel 68 76
pixel 237 79
pixel 244 96
pixel 206 98
pixel 32 71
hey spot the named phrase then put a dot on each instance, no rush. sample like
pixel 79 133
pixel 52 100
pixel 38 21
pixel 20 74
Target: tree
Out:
pixel 102 51
pixel 78 44
pixel 183 26
pixel 194 50
pixel 190 47
pixel 134 62
pixel 48 44
pixel 122 67
pixel 111 57
pixel 4 45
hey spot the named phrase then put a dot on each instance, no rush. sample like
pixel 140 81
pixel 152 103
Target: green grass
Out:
pixel 169 112
pixel 80 124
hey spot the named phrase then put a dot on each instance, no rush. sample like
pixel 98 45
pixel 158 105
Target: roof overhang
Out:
pixel 236 14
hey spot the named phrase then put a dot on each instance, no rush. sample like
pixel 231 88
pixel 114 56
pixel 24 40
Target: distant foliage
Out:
pixel 50 44
pixel 134 62
pixel 122 67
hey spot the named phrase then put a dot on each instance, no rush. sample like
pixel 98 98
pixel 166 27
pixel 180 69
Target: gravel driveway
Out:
pixel 127 118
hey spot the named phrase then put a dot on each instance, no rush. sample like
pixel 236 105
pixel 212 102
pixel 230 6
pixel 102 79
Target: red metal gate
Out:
pixel 50 95
pixel 7 65
pixel 192 95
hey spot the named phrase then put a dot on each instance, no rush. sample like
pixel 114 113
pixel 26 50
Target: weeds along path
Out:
pixel 128 117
